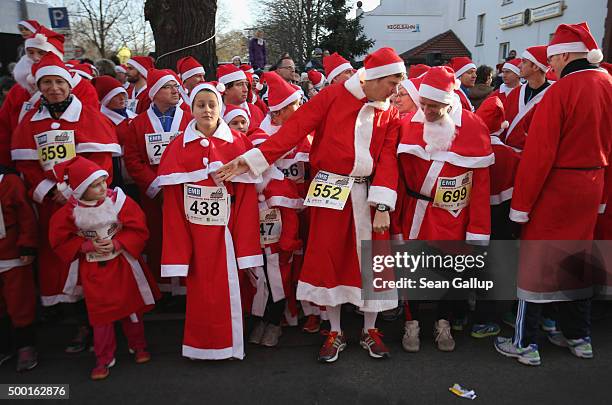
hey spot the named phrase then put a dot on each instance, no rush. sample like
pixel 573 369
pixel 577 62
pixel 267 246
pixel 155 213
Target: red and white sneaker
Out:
pixel 333 345
pixel 101 371
pixel 372 342
pixel 312 325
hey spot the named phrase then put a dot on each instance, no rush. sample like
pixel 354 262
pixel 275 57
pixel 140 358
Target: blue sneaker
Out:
pixel 548 325
pixel 581 348
pixel 528 356
pixel 485 330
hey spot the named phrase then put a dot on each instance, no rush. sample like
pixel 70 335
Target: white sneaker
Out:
pixel 411 342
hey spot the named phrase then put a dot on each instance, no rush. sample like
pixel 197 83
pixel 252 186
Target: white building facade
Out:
pixel 488 28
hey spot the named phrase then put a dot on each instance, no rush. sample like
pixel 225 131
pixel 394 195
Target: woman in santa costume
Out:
pixel 354 141
pixel 60 129
pixel 101 233
pixel 18 245
pixel 137 75
pixel 558 193
pixel 211 228
pixel 149 135
pixel 465 72
pixel 444 150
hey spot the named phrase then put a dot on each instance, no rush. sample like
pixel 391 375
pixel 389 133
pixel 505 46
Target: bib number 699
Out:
pixel 455 195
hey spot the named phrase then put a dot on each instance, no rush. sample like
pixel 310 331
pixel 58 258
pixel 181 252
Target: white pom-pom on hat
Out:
pixel 595 56
pixel 505 125
pixel 259 86
pixel 457 84
pixel 61 187
pixel 220 87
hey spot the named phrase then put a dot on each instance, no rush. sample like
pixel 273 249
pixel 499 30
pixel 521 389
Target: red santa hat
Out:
pixel 51 65
pixel 46 40
pixel 142 63
pixel 215 87
pixel 412 87
pixel 439 84
pixel 78 173
pixel 230 73
pixel 491 111
pixel 30 25
pixel 280 93
pixel 188 67
pixel 107 87
pixel 381 63
pixel 316 78
pixel 233 111
pixel 335 64
pixel 70 63
pixel 247 68
pixel 120 69
pixel 83 69
pixel 158 78
pixel 513 66
pixel 418 70
pixel 607 66
pixel 575 38
pixel 537 55
pixel 461 64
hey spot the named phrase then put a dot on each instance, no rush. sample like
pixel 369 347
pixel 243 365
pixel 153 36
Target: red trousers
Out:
pixel 18 296
pixel 105 343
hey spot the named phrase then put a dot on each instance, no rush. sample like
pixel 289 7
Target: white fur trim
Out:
pixel 120 69
pixel 292 98
pixel 413 92
pixel 78 192
pixel 113 148
pixel 337 70
pixel 50 300
pixel 232 77
pixel 158 85
pixel 234 113
pixel 42 189
pixel 138 67
pixel 602 208
pixel 595 56
pixel 338 295
pixel 111 94
pixel 421 205
pixel 385 70
pixel 39 41
pixel 529 56
pixel 505 195
pixel 256 160
pixel 81 73
pixel 24 154
pixel 363 165
pixel 53 71
pixel 382 195
pixel 6 265
pixel 435 94
pixel 153 189
pixel 209 354
pixel 293 203
pixel 174 270
pixel 567 47
pixel 518 216
pixel 27 25
pixel 250 261
pixel 464 69
pixel 205 86
pixel 470 162
pixel 192 72
pixel 512 68
pixel 477 239
pixel 180 178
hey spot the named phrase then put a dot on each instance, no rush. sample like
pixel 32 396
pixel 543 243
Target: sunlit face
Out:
pixel 344 76
pixel 432 109
pixel 191 82
pixel 383 88
pixel 286 69
pixel 206 109
pixel 284 113
pixel 468 79
pixel 510 78
pixel 240 124
pixel 35 54
pixel 133 75
pixel 118 102
pixel 558 63
pixel 25 33
pixel 527 68
pixel 237 93
pixel 96 190
pixel 403 102
pixel 54 88
pixel 168 94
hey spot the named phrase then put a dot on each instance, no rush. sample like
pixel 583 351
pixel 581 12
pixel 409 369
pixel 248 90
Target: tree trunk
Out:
pixel 180 23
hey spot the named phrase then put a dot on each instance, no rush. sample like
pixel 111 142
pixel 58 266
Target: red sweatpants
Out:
pixel 18 295
pixel 105 343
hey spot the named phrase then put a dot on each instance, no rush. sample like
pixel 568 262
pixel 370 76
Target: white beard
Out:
pixel 23 74
pixel 93 218
pixel 439 135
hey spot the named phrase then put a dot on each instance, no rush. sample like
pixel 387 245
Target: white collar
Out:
pixel 267 126
pixel 455 113
pixel 115 117
pixel 72 113
pixel 223 132
pixel 76 79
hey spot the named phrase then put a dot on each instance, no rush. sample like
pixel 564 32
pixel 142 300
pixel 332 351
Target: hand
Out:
pixel 58 197
pixel 232 169
pixel 26 259
pixel 103 245
pixel 382 221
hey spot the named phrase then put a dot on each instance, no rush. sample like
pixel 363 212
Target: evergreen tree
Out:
pixel 344 35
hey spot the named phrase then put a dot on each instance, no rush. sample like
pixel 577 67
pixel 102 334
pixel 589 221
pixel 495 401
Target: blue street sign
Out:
pixel 59 17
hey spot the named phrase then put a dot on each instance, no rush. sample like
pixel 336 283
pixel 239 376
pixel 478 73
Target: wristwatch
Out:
pixel 382 207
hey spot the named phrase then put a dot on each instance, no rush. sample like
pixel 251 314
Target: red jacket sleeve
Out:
pixel 137 162
pixel 479 226
pixel 63 236
pixel 289 238
pixel 245 228
pixel 177 244
pixel 384 185
pixel 134 233
pixel 26 220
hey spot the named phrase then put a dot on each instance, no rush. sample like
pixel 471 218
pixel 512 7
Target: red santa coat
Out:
pixel 18 237
pixel 95 140
pixel 502 93
pixel 122 129
pixel 519 116
pixel 116 288
pixel 465 100
pixel 356 138
pixel 209 256
pixel 470 152
pixel 559 185
pixel 138 101
pixel 503 171
pixel 144 174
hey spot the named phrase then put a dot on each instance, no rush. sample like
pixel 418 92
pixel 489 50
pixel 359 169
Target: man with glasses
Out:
pixel 237 92
pixel 286 68
pixel 149 134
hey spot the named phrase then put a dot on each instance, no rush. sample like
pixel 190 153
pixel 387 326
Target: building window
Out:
pixel 462 6
pixel 504 48
pixel 506 2
pixel 480 29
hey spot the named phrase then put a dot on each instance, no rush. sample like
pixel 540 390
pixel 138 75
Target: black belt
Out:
pixel 579 168
pixel 418 196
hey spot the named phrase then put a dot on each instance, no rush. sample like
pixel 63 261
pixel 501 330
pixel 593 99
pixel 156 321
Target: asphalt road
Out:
pixel 290 373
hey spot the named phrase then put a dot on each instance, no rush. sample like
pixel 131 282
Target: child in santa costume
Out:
pixel 60 129
pixel 137 74
pixel 237 118
pixel 101 233
pixel 18 245
pixel 149 135
pixel 443 142
pixel 211 228
pixel 354 140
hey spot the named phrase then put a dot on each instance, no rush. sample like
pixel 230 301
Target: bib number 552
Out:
pixel 327 191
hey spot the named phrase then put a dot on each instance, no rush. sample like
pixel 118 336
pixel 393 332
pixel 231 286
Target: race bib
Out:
pixel 453 193
pixel 55 146
pixel 329 190
pixel 157 143
pixel 104 233
pixel 270 226
pixel 295 172
pixel 2 227
pixel 131 104
pixel 206 205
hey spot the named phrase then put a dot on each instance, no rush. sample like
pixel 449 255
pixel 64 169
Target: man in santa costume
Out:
pixel 521 103
pixel 237 91
pixel 18 245
pixel 101 233
pixel 137 73
pixel 558 193
pixel 61 128
pixel 317 79
pixel 149 135
pixel 511 77
pixel 354 139
pixel 444 151
pixel 191 72
pixel 465 71
pixel 121 75
pixel 337 69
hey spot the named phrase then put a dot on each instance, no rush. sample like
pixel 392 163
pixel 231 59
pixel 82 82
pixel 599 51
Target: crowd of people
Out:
pixel 251 195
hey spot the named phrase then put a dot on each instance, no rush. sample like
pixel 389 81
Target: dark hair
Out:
pixel 483 73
